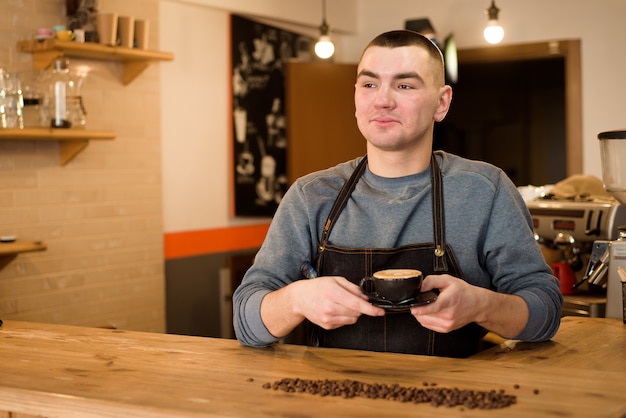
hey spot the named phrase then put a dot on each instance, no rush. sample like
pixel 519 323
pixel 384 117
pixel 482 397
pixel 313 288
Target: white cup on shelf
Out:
pixel 79 35
pixel 142 33
pixel 126 30
pixel 106 25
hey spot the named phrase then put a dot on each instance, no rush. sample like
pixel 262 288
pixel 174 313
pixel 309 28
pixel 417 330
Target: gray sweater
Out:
pixel 486 223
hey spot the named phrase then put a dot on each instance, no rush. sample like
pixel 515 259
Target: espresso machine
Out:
pixel 591 232
pixel 607 264
pixel 572 234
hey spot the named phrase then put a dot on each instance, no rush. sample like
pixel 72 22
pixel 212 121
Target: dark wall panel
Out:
pixel 193 291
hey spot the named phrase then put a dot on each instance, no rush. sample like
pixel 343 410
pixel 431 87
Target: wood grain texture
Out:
pixel 581 343
pixel 67 371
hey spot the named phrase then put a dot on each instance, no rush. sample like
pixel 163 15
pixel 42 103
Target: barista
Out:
pixel 461 222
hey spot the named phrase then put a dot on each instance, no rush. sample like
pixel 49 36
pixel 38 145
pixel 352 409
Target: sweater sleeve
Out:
pixel 288 243
pixel 517 266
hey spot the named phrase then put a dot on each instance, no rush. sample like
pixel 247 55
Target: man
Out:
pixel 462 223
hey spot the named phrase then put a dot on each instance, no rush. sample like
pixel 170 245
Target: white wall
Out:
pixel 196 101
pixel 196 95
pixel 195 126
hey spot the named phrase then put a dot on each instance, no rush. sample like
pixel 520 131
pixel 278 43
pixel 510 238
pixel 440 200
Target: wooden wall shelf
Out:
pixel 10 250
pixel 71 141
pixel 135 61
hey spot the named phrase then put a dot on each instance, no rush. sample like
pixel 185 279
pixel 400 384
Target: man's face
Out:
pixel 397 98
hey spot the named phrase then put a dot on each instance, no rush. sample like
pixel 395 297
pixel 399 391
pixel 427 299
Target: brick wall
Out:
pixel 101 214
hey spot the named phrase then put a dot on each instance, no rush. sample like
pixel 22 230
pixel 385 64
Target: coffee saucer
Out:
pixel 421 299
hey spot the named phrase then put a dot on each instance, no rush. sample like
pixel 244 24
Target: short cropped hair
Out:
pixel 400 38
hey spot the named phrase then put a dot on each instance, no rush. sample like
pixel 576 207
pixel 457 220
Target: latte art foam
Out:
pixel 397 274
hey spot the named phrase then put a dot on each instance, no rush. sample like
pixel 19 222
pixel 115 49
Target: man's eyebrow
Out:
pixel 400 76
pixel 411 74
pixel 366 73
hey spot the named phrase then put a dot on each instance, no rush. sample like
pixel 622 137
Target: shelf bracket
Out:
pixel 10 250
pixel 132 70
pixel 70 149
pixel 6 259
pixel 43 59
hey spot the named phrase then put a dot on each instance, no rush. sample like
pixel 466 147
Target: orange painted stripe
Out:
pixel 209 241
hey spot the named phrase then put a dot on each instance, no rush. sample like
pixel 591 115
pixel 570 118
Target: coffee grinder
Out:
pixel 607 262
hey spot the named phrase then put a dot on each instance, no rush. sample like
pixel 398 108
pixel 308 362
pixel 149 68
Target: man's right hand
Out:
pixel 329 302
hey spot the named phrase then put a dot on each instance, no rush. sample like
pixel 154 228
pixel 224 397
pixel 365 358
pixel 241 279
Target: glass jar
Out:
pixel 33 112
pixel 59 84
pixel 76 112
pixel 11 100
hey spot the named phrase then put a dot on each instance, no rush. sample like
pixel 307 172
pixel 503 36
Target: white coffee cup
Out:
pixel 106 25
pixel 79 35
pixel 126 30
pixel 142 33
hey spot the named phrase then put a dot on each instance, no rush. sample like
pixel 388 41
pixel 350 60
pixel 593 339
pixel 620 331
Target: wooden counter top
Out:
pixel 69 371
pixel 581 343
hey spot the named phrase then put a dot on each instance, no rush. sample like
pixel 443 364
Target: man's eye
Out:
pixel 404 87
pixel 368 85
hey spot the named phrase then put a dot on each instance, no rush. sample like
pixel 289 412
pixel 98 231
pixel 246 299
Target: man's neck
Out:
pixel 393 164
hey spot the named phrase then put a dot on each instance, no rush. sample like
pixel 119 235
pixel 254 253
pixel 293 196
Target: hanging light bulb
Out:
pixel 324 48
pixel 493 32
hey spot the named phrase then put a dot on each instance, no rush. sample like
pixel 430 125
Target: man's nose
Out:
pixel 384 97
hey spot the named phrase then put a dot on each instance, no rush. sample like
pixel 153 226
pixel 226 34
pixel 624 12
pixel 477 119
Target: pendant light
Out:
pixel 324 48
pixel 493 32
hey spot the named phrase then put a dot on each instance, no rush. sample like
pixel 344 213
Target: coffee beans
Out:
pixel 436 396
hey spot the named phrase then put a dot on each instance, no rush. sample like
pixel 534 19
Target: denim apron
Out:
pixel 396 331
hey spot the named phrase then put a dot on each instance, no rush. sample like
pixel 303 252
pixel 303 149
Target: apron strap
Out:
pixel 437 198
pixel 341 201
pixel 438 220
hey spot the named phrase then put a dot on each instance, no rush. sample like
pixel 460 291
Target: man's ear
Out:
pixel 445 98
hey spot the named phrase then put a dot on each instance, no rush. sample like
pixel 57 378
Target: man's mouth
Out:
pixel 384 120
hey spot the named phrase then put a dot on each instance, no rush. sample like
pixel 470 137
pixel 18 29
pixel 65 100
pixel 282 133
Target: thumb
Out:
pixel 433 281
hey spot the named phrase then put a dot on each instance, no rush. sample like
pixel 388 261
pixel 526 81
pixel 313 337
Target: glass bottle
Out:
pixel 75 106
pixel 59 84
pixel 4 93
pixel 33 113
pixel 11 100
